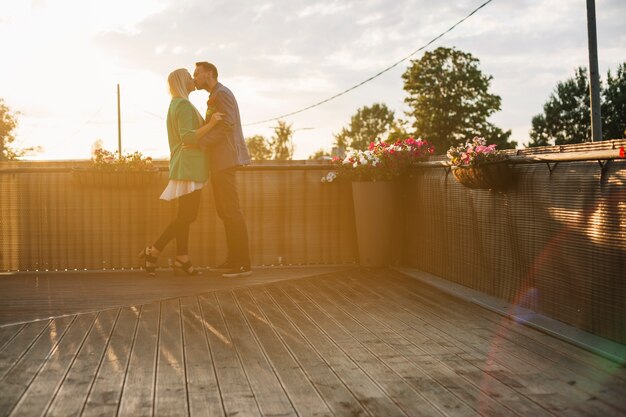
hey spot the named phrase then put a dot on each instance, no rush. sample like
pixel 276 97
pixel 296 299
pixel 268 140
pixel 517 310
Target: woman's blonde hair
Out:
pixel 177 81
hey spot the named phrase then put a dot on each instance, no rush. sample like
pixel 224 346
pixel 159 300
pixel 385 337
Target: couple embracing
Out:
pixel 203 150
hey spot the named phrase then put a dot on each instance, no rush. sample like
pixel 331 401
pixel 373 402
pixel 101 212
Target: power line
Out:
pixel 378 74
pixel 91 119
pixel 156 116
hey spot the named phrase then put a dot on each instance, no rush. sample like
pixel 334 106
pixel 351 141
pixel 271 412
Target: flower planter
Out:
pixel 495 176
pixel 374 211
pixel 114 179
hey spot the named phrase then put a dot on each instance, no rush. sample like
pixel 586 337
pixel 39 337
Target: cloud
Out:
pixel 280 56
pixel 297 52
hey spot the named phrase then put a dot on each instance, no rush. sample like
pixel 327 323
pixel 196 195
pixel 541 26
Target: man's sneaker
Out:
pixel 242 271
pixel 224 267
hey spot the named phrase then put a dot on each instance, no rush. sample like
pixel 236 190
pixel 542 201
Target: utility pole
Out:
pixel 594 75
pixel 119 124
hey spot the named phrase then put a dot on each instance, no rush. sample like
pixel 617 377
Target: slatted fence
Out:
pixel 52 222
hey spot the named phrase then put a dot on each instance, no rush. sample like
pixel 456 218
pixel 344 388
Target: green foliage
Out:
pixel 566 114
pixel 398 131
pixel 8 123
pixel 499 137
pixel 280 144
pixel 367 125
pixel 259 148
pixel 103 160
pixel 614 105
pixel 450 100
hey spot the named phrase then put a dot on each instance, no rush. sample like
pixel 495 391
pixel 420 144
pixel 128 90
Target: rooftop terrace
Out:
pixel 492 303
pixel 288 341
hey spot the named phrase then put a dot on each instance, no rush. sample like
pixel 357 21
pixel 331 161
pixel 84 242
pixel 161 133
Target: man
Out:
pixel 226 151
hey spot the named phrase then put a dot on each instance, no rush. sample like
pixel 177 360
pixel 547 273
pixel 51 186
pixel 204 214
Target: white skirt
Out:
pixel 178 188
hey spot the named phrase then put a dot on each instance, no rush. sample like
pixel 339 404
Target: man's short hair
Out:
pixel 207 66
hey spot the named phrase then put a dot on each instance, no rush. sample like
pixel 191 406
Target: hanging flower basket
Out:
pixel 480 166
pixel 489 176
pixel 95 178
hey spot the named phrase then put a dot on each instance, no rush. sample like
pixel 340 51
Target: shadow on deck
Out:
pixel 284 342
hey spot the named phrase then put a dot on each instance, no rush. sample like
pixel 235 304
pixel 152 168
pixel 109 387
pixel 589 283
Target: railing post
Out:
pixel 594 76
pixel 119 124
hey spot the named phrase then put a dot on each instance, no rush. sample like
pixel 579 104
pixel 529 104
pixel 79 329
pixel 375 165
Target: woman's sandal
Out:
pixel 149 261
pixel 185 268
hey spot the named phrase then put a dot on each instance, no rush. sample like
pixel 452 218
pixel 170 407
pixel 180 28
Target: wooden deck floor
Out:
pixel 346 343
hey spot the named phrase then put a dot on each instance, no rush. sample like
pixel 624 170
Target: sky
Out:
pixel 63 59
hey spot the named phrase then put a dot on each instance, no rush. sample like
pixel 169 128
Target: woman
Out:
pixel 188 172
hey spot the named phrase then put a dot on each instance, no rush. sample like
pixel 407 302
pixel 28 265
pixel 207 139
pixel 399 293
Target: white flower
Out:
pixel 330 177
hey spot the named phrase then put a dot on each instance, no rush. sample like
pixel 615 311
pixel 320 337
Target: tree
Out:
pixel 614 105
pixel 259 148
pixel 280 144
pixel 8 123
pixel 398 131
pixel 450 100
pixel 566 114
pixel 367 125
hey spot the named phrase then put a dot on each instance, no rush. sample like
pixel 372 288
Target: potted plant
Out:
pixel 480 166
pixel 373 173
pixel 115 170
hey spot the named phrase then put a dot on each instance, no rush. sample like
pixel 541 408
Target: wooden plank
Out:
pixel 237 395
pixel 202 387
pixel 569 358
pixel 582 386
pixel 521 355
pixel 77 292
pixel 299 389
pixel 565 354
pixel 16 380
pixel 170 386
pixel 427 337
pixel 15 348
pixel 366 351
pixel 371 396
pixel 483 397
pixel 526 377
pixel 138 393
pixel 267 388
pixel 41 390
pixel 105 391
pixel 404 319
pixel 72 395
pixel 533 386
pixel 7 333
pixel 336 395
pixel 423 384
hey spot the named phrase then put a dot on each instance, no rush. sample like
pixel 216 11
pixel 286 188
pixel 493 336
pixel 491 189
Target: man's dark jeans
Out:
pixel 228 209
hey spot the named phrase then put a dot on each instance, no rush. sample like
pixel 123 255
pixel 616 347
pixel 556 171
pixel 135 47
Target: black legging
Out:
pixel 188 206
